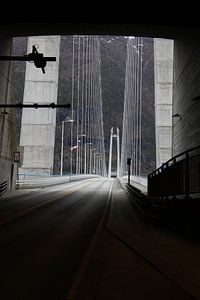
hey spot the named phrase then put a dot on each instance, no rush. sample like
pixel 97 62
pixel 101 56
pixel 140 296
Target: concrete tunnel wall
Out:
pixel 186 127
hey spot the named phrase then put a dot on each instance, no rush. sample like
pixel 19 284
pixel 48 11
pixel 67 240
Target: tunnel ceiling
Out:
pixel 155 28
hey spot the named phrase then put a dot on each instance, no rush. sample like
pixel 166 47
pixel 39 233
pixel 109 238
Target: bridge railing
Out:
pixel 27 181
pixel 33 181
pixel 180 175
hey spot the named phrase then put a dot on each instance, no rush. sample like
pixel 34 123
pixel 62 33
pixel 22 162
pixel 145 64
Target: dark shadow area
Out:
pixel 180 216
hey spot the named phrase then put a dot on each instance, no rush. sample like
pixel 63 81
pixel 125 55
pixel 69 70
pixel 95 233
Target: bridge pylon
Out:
pixel 114 135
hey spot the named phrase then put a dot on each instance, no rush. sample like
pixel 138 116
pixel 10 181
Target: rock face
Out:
pixel 19 48
pixel 113 62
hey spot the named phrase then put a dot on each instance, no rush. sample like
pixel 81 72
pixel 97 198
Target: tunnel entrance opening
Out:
pixel 103 74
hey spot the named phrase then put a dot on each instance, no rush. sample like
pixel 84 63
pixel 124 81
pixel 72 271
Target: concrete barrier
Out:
pixel 26 181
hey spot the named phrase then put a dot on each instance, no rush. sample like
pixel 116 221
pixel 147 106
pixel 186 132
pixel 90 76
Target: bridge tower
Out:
pixel 113 135
pixel 37 135
pixel 163 70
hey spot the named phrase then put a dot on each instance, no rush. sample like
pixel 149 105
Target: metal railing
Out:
pixel 34 181
pixel 180 175
pixel 3 187
pixel 29 181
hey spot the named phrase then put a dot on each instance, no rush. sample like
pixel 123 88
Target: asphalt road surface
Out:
pixel 85 240
pixel 44 235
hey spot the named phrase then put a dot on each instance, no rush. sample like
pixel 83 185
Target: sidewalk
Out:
pixel 116 271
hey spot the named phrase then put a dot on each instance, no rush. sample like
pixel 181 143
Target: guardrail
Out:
pixel 3 187
pixel 26 181
pixel 34 181
pixel 180 175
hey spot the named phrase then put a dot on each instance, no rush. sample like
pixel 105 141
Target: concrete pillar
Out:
pixel 7 116
pixel 163 70
pixel 38 125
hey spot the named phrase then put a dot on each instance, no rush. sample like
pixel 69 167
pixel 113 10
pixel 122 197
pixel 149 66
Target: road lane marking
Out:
pixel 75 286
pixel 27 211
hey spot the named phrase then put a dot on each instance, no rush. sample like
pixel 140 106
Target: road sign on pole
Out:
pixel 129 169
pixel 16 157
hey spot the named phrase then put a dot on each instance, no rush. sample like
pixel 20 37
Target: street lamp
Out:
pixel 90 167
pixel 95 163
pixel 67 120
pixel 85 154
pixel 78 153
pixel 99 164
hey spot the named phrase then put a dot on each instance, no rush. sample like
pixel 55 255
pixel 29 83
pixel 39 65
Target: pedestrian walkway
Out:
pixel 134 260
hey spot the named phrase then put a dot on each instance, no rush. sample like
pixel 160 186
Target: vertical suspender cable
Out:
pixel 77 130
pixel 72 107
pixel 86 108
pixel 141 71
pixel 82 137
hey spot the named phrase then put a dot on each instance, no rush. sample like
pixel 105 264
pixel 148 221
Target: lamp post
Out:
pixel 85 160
pixel 90 165
pixel 67 120
pixel 75 147
pixel 99 164
pixel 95 163
pixel 79 152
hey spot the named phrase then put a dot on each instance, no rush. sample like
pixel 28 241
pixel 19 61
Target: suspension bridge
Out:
pixel 82 134
pixel 80 239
